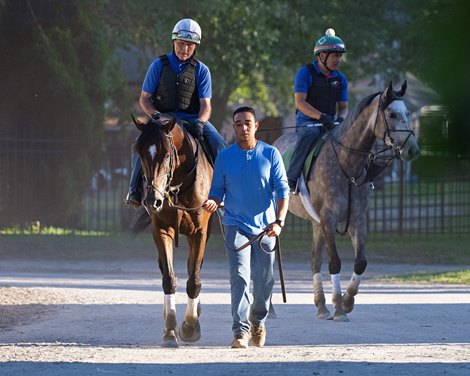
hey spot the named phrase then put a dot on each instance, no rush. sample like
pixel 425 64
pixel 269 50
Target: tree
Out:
pixel 56 76
pixel 254 48
pixel 440 58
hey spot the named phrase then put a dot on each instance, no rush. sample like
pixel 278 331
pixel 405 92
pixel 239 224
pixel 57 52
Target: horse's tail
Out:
pixel 140 221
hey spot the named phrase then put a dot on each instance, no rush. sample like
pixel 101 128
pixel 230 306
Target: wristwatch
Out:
pixel 280 222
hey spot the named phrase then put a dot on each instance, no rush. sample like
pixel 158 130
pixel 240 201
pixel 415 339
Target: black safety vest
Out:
pixel 177 92
pixel 324 92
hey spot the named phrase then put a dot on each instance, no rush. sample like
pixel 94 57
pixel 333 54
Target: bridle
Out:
pixel 387 138
pixel 167 189
pixel 372 168
pixel 170 192
pixel 371 157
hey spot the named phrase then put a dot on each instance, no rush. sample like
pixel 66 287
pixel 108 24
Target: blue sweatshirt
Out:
pixel 249 182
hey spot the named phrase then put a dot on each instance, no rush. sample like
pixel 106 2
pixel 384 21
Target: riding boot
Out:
pixel 134 196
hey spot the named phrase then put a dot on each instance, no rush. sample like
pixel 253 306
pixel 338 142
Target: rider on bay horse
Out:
pixel 179 85
pixel 321 91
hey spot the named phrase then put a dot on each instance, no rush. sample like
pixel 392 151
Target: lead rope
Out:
pixel 259 237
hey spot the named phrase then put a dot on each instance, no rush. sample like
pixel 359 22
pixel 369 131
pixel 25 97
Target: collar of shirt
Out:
pixel 176 64
pixel 331 74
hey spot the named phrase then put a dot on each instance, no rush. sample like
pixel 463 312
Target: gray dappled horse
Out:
pixel 338 186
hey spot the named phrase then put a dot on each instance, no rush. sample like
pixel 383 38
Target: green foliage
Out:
pixel 440 59
pixel 60 75
pixel 250 43
pixel 56 80
pixel 36 229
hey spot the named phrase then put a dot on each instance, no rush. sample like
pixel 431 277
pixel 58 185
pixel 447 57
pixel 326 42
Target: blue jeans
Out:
pixel 251 263
pixel 306 137
pixel 214 139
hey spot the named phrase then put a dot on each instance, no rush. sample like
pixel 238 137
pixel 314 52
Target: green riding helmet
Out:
pixel 329 43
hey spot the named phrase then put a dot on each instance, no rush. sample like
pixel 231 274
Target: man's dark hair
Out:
pixel 244 109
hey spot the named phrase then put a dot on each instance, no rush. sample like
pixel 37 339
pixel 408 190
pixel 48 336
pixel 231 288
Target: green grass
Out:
pixel 391 248
pixel 75 247
pixel 50 243
pixel 61 244
pixel 36 229
pixel 461 277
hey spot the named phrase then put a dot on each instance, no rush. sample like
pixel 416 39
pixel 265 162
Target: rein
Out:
pixel 259 238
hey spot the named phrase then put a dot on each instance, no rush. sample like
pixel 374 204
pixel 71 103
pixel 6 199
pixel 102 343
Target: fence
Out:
pixel 402 205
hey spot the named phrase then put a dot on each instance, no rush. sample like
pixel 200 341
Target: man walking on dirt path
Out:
pixel 249 177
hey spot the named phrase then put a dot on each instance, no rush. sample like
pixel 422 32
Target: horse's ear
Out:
pixel 169 125
pixel 402 91
pixel 138 123
pixel 389 88
pixel 386 95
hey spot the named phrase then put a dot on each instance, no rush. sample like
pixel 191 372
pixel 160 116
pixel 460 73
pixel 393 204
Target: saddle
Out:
pixel 311 157
pixel 197 135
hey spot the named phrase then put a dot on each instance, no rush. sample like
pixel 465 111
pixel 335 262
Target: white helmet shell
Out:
pixel 187 30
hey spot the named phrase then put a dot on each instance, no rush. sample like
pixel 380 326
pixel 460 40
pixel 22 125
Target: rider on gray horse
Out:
pixel 320 92
pixel 177 84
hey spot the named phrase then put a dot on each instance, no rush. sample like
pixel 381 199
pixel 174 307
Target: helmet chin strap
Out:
pixel 324 62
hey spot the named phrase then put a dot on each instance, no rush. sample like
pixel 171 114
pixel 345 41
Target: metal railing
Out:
pixel 402 205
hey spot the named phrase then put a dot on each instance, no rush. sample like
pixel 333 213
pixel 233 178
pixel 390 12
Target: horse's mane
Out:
pixel 357 110
pixel 151 131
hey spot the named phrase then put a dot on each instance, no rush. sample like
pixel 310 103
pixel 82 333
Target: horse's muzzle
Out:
pixel 153 204
pixel 410 150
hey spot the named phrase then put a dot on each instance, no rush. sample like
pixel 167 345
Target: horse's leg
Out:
pixel 358 234
pixel 190 330
pixel 164 242
pixel 318 293
pixel 334 265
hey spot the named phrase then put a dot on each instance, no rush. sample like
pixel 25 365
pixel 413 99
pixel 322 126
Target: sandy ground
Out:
pixel 95 317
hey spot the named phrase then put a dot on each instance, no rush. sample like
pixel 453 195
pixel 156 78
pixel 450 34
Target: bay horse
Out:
pixel 338 187
pixel 177 178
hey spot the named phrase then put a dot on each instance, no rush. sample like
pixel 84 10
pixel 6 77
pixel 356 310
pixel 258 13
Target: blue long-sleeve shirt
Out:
pixel 249 182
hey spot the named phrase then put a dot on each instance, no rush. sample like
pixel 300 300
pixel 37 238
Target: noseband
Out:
pixel 387 138
pixel 168 189
pixel 170 192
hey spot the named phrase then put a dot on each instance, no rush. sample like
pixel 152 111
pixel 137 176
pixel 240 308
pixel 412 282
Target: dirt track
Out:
pixel 87 318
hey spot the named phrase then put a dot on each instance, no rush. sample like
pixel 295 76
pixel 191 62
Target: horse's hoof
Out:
pixel 341 318
pixel 348 303
pixel 169 339
pixel 324 315
pixel 190 333
pixel 170 344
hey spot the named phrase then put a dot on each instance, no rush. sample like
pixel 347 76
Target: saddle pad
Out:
pixel 309 161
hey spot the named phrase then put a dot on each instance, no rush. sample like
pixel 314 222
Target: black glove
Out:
pixel 327 121
pixel 162 118
pixel 156 115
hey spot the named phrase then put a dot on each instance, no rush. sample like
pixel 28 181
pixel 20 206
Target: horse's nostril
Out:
pixel 158 204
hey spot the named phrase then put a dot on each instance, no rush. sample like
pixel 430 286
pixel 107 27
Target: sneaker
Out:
pixel 240 341
pixel 258 335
